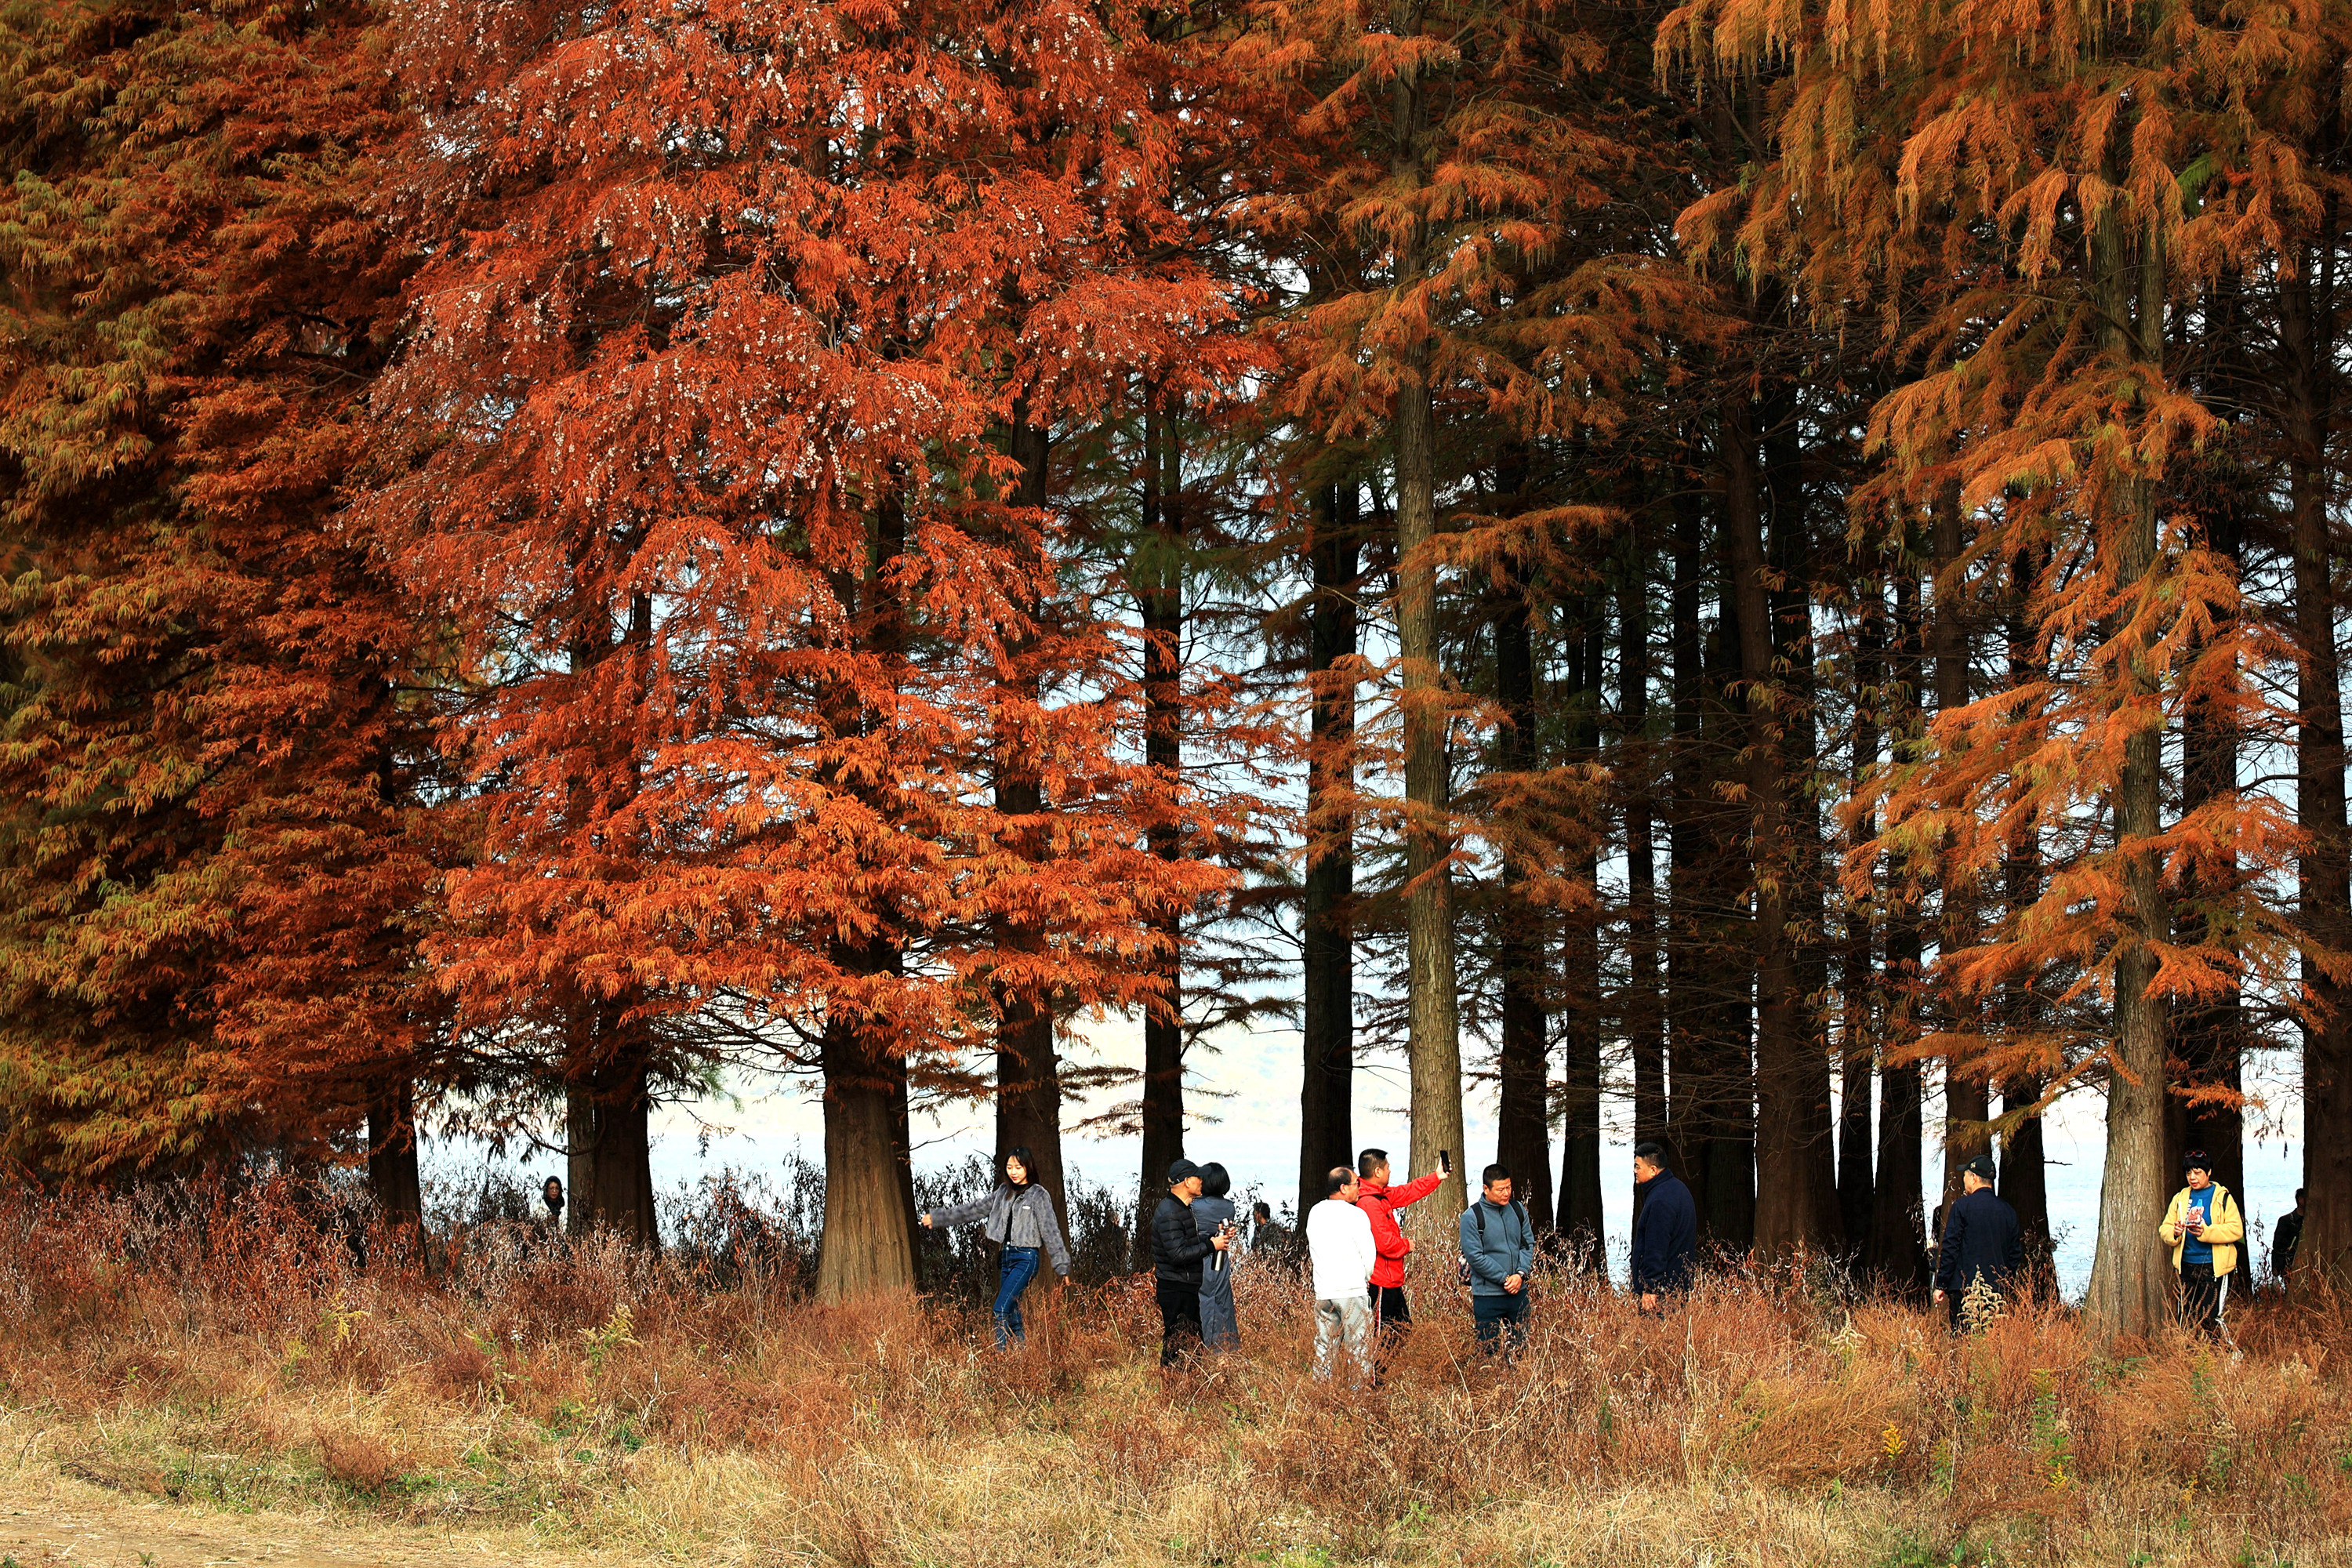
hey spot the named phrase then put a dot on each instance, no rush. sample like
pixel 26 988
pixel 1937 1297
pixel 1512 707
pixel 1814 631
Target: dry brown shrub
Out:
pixel 359 1460
pixel 459 1371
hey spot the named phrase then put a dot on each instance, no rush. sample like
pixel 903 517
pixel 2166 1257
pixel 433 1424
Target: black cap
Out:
pixel 1183 1170
pixel 1981 1167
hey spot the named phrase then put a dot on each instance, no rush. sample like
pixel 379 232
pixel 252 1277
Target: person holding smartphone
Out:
pixel 2202 1227
pixel 1379 1202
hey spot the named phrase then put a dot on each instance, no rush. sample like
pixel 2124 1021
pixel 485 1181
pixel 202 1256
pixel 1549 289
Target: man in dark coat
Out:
pixel 1666 1228
pixel 2286 1240
pixel 1177 1248
pixel 1981 1241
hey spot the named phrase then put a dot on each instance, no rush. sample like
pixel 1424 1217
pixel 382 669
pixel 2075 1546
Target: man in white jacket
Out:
pixel 1340 1255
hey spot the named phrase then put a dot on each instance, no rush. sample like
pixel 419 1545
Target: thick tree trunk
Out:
pixel 1328 1024
pixel 1899 1222
pixel 1028 1069
pixel 392 1153
pixel 1434 1045
pixel 868 1247
pixel 2324 870
pixel 620 1196
pixel 1858 980
pixel 2130 1273
pixel 1523 1141
pixel 1159 590
pixel 1788 1206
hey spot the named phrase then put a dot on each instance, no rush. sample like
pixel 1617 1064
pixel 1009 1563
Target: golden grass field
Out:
pixel 233 1371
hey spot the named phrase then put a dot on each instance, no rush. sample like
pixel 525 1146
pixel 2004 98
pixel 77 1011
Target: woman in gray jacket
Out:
pixel 1220 1330
pixel 1019 1216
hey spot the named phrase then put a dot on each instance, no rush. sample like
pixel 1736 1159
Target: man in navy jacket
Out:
pixel 1666 1228
pixel 1981 1241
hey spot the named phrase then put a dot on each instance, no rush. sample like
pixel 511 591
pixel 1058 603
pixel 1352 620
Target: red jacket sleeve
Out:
pixel 1388 1241
pixel 1412 1192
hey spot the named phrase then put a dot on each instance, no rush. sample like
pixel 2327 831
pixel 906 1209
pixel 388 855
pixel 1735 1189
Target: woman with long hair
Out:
pixel 1019 1217
pixel 1212 1211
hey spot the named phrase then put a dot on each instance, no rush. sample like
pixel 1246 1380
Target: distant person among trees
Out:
pixel 1499 1247
pixel 1178 1249
pixel 1341 1256
pixel 2202 1227
pixel 2285 1239
pixel 1982 1241
pixel 1212 1211
pixel 551 1192
pixel 1264 1234
pixel 1019 1217
pixel 1666 1228
pixel 1391 1314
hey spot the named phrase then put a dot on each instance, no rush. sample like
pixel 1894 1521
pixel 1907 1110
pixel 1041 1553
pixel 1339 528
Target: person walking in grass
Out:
pixel 1212 1211
pixel 1340 1255
pixel 1498 1245
pixel 1666 1228
pixel 2203 1229
pixel 1019 1217
pixel 1178 1249
pixel 1983 1243
pixel 2284 1241
pixel 1392 1318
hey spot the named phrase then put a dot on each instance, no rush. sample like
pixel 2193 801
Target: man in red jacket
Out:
pixel 1379 1202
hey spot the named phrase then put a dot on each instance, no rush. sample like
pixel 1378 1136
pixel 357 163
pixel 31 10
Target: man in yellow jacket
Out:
pixel 2202 1227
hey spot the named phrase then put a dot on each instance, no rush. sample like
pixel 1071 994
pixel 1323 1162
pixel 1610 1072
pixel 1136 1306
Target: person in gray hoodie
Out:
pixel 1019 1217
pixel 1499 1249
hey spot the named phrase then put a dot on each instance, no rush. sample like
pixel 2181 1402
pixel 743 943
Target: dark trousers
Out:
pixel 1180 1320
pixel 2200 1297
pixel 1390 1311
pixel 1500 1320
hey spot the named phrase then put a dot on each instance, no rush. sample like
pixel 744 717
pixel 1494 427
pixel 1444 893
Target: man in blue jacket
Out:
pixel 1498 1246
pixel 1982 1242
pixel 1666 1228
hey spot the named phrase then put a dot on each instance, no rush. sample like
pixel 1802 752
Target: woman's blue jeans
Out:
pixel 1017 1267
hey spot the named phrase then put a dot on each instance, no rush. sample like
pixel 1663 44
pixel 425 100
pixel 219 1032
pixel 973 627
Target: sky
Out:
pixel 1256 1135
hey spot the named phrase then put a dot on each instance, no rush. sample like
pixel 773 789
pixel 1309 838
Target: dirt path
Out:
pixel 49 1520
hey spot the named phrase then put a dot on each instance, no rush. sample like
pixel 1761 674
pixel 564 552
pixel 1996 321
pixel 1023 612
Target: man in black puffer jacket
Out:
pixel 1177 1248
pixel 1983 1243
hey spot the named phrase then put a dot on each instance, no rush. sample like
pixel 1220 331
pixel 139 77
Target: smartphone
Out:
pixel 1446 1161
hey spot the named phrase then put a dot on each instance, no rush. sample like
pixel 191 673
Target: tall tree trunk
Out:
pixel 1965 1104
pixel 1434 1047
pixel 2307 319
pixel 1786 1201
pixel 1160 589
pixel 1898 1251
pixel 1685 927
pixel 393 1177
pixel 1858 980
pixel 1028 1069
pixel 868 1241
pixel 1326 1109
pixel 1580 1215
pixel 2129 1274
pixel 2024 1182
pixel 580 1157
pixel 1522 1132
pixel 1644 1041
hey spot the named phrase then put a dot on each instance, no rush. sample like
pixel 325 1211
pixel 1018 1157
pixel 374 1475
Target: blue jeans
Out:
pixel 1017 1266
pixel 1492 1314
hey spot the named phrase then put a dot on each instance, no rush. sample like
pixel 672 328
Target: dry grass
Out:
pixel 236 1353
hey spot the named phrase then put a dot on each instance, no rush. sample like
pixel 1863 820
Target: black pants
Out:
pixel 1180 1320
pixel 1389 1309
pixel 2200 1297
